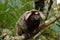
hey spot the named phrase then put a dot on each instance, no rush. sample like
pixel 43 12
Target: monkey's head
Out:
pixel 34 15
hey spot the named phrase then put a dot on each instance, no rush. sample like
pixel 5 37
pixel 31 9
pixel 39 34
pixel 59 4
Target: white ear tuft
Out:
pixel 42 15
pixel 28 13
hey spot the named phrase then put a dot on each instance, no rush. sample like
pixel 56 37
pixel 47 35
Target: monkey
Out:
pixel 28 22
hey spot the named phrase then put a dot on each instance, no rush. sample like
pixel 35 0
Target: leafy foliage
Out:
pixel 11 10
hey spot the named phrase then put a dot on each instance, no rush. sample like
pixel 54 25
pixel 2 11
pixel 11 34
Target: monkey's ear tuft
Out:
pixel 42 15
pixel 27 14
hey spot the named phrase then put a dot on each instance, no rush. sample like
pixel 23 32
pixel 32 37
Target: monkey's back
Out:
pixel 21 25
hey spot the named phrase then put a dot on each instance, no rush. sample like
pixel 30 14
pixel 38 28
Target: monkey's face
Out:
pixel 35 16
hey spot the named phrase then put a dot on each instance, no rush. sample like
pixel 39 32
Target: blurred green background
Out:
pixel 11 10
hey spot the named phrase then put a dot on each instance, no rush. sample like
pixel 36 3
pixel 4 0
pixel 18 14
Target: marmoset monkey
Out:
pixel 28 22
